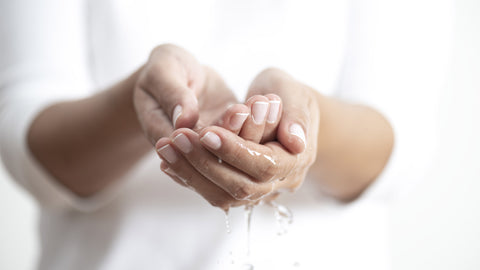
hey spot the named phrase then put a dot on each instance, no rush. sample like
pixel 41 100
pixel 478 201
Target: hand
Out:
pixel 174 90
pixel 275 165
pixel 216 98
pixel 248 171
pixel 301 114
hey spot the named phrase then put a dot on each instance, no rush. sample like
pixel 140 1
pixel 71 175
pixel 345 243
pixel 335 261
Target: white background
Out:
pixel 18 238
pixel 437 224
pixel 434 225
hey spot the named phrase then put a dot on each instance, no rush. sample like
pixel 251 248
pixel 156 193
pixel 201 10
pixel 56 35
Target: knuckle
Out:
pixel 242 192
pixel 167 47
pixel 271 71
pixel 267 172
pixel 232 153
pixel 277 77
pixel 151 75
pixel 187 180
pixel 203 165
pixel 299 114
pixel 160 68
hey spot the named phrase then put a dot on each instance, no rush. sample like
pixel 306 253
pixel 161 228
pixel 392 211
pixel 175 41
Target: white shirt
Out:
pixel 387 55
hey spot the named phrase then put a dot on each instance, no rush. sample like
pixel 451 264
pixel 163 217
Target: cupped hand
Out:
pixel 214 100
pixel 248 171
pixel 174 90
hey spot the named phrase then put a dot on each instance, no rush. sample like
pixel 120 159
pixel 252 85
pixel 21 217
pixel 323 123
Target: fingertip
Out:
pixel 298 131
pixel 210 134
pixel 234 117
pixel 177 112
pixel 239 108
pixel 211 140
pixel 237 120
pixel 161 143
pixel 274 111
pixel 168 153
pixel 292 136
pixel 185 116
pixel 172 174
pixel 220 131
pixel 163 165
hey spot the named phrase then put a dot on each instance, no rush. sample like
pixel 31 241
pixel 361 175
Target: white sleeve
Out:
pixel 396 61
pixel 43 60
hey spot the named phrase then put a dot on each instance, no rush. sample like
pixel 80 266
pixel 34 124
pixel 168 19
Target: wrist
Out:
pixel 119 100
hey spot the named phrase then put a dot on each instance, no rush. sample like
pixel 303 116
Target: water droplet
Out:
pixel 248 266
pixel 248 217
pixel 220 160
pixel 232 260
pixel 269 158
pixel 256 153
pixel 227 221
pixel 283 215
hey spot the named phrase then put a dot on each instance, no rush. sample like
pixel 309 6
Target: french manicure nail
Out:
pixel 170 171
pixel 183 143
pixel 211 140
pixel 273 113
pixel 237 120
pixel 259 111
pixel 168 153
pixel 297 130
pixel 176 114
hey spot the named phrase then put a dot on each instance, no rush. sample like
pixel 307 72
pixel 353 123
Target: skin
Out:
pixel 348 144
pixel 88 144
pixel 346 147
pixel 70 139
pixel 218 182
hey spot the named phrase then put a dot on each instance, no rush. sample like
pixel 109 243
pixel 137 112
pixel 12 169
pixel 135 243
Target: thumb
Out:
pixel 176 99
pixel 175 79
pixel 181 106
pixel 293 125
pixel 293 128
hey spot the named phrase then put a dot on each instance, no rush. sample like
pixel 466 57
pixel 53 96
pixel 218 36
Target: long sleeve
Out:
pixel 396 61
pixel 43 60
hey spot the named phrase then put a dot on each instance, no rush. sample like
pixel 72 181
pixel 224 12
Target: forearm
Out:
pixel 354 145
pixel 87 144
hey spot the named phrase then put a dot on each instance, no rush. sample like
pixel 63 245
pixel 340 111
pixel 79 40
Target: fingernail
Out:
pixel 211 140
pixel 297 130
pixel 176 114
pixel 237 120
pixel 168 153
pixel 170 171
pixel 259 111
pixel 183 143
pixel 273 114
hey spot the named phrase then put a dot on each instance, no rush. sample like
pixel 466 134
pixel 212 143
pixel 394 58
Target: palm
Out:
pixel 213 100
